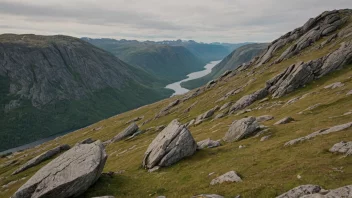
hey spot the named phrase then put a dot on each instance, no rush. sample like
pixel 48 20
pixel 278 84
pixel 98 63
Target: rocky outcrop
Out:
pixel 342 147
pixel 208 143
pixel 42 157
pixel 247 100
pixel 165 111
pixel 225 106
pixel 320 132
pixel 301 191
pixel 68 175
pixel 129 131
pixel 264 118
pixel 241 129
pixel 284 121
pixel 171 145
pixel 227 177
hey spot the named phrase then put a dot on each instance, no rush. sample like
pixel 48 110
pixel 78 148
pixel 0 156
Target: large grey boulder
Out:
pixel 68 175
pixel 42 157
pixel 241 129
pixel 227 177
pixel 300 191
pixel 171 145
pixel 342 147
pixel 130 130
pixel 342 192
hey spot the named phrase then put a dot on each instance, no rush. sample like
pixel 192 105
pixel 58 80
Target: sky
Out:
pixel 230 21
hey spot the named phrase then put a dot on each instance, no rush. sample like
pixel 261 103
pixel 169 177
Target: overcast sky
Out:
pixel 201 20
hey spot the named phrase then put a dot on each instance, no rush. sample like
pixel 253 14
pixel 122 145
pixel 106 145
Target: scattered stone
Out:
pixel 241 146
pixel 13 182
pixel 220 115
pixel 342 147
pixel 310 108
pixel 161 197
pixel 334 85
pixel 135 120
pixel 263 100
pixel 247 100
pixel 146 122
pixel 293 100
pixel 210 83
pixel 320 132
pixel 171 145
pixel 190 107
pixel 130 130
pixel 265 138
pixel 165 111
pixel 264 118
pixel 241 129
pixel 244 111
pixel 208 143
pixel 227 177
pixel 301 191
pixel 42 157
pixel 134 135
pixel 86 141
pixel 105 197
pixel 155 168
pixel 68 175
pixel 204 116
pixel 191 123
pixel 98 128
pixel 225 106
pixel 284 121
pixel 343 192
pixel 208 196
pixel 349 93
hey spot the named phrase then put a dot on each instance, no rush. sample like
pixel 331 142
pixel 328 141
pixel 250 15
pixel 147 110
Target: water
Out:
pixel 177 85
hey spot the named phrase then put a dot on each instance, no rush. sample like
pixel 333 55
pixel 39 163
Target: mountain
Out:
pixel 170 63
pixel 239 56
pixel 280 127
pixel 52 84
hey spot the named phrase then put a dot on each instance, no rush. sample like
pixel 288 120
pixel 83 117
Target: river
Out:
pixel 176 87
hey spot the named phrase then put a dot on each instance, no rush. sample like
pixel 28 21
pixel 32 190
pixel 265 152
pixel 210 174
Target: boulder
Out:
pixel 220 115
pixel 171 145
pixel 86 141
pixel 191 123
pixel 334 85
pixel 208 196
pixel 68 175
pixel 342 147
pixel 342 192
pixel 264 118
pixel 204 116
pixel 301 191
pixel 208 143
pixel 42 157
pixel 227 177
pixel 349 93
pixel 241 129
pixel 318 133
pixel 247 100
pixel 284 121
pixel 130 130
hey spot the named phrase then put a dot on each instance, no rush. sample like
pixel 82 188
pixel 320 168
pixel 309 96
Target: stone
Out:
pixel 247 100
pixel 105 197
pixel 166 110
pixel 349 93
pixel 208 143
pixel 318 133
pixel 265 138
pixel 264 118
pixel 220 115
pixel 334 85
pixel 300 191
pixel 284 121
pixel 204 116
pixel 42 157
pixel 154 169
pixel 264 100
pixel 208 196
pixel 159 128
pixel 135 120
pixel 342 192
pixel 130 130
pixel 342 147
pixel 210 83
pixel 241 129
pixel 86 141
pixel 171 145
pixel 191 123
pixel 68 175
pixel 227 177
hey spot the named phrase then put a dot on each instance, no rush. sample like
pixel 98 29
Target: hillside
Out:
pixel 306 74
pixel 238 57
pixel 52 84
pixel 170 63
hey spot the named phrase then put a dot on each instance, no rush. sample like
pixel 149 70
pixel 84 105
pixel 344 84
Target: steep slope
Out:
pixel 52 84
pixel 232 61
pixel 316 94
pixel 170 63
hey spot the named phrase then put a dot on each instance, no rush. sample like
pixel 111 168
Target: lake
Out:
pixel 176 87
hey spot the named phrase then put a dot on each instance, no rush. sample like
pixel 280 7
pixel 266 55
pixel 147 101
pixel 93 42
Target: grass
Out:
pixel 267 168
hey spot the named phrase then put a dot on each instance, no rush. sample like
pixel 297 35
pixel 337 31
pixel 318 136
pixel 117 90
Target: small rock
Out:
pixel 220 115
pixel 241 146
pixel 160 128
pixel 263 100
pixel 349 93
pixel 208 196
pixel 105 197
pixel 208 143
pixel 86 141
pixel 227 177
pixel 342 147
pixel 284 121
pixel 334 85
pixel 241 129
pixel 191 123
pixel 225 106
pixel 130 130
pixel 155 168
pixel 265 138
pixel 264 118
pixel 160 197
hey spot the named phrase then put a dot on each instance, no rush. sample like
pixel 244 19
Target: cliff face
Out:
pixel 38 73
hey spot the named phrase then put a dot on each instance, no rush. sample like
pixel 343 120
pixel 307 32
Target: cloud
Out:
pixel 202 20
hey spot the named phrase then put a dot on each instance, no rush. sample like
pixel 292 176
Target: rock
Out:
pixel 68 175
pixel 155 168
pixel 343 192
pixel 135 120
pixel 165 110
pixel 284 121
pixel 204 116
pixel 226 73
pixel 241 129
pixel 208 143
pixel 159 128
pixel 264 118
pixel 134 135
pixel 263 100
pixel 225 106
pixel 320 132
pixel 311 108
pixel 265 138
pixel 349 93
pixel 334 85
pixel 42 157
pixel 190 107
pixel 161 197
pixel 86 141
pixel 227 177
pixel 301 191
pixel 210 83
pixel 171 145
pixel 105 197
pixel 130 130
pixel 208 196
pixel 247 100
pixel 342 147
pixel 220 115
pixel 191 123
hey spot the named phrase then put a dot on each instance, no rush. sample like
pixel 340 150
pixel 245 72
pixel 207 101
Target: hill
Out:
pixel 304 75
pixel 52 84
pixel 238 57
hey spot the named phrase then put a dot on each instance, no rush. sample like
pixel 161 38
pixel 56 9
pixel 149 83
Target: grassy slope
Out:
pixel 267 168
